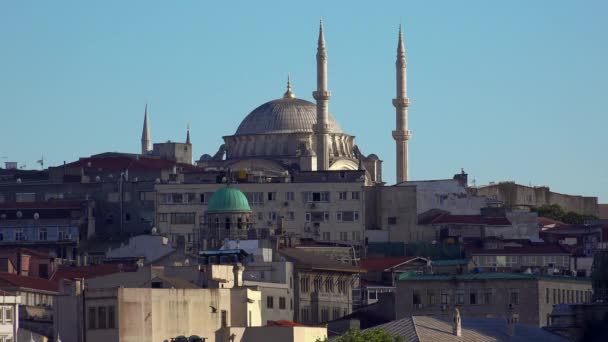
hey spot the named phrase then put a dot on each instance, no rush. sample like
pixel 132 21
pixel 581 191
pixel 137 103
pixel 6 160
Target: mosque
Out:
pixel 290 134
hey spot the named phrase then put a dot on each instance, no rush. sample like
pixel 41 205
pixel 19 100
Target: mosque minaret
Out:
pixel 401 134
pixel 322 95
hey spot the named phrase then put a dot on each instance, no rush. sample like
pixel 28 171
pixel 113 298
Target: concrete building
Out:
pixel 512 194
pixel 324 206
pixel 603 211
pixel 323 285
pixel 9 319
pixel 489 295
pixel 147 305
pixel 27 262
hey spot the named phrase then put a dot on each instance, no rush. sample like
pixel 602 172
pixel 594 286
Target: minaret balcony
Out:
pixel 401 102
pixel 323 95
pixel 402 135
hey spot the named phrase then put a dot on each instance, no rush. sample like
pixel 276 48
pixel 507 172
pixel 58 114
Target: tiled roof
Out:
pixel 307 259
pixel 442 218
pixel 9 281
pixel 435 329
pixel 383 264
pixel 91 271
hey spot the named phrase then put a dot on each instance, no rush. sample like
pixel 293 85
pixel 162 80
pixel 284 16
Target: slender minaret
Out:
pixel 401 134
pixel 188 134
pixel 322 96
pixel 146 145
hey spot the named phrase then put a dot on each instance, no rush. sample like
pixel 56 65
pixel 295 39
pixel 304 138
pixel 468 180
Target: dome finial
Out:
pixel 289 94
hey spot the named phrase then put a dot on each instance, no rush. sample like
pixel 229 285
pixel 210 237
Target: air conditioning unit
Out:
pixel 444 307
pixel 313 205
pixel 285 204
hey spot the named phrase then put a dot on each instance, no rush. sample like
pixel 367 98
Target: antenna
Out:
pixel 41 162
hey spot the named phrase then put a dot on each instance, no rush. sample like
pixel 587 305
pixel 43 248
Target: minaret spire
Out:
pixel 322 95
pixel 146 145
pixel 401 134
pixel 188 134
pixel 289 94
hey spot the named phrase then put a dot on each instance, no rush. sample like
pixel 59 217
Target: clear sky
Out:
pixel 507 90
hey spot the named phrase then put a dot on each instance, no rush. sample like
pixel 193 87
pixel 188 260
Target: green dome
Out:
pixel 228 200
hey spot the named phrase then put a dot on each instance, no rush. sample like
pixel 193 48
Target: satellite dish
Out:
pixel 157 180
pixel 187 262
pixel 19 214
pixel 18 180
pixel 3 216
pixel 154 230
pixel 97 178
pixel 36 216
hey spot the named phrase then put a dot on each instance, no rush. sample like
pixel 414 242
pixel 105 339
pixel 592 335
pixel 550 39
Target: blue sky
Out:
pixel 510 90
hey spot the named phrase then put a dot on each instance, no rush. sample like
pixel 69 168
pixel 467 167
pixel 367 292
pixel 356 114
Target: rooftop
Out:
pixel 434 329
pixel 316 261
pixel 91 271
pixel 9 281
pixel 442 218
pixel 385 264
pixel 488 276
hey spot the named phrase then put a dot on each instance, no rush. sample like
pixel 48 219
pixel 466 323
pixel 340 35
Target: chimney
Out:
pixel 457 326
pixel 238 274
pixel 511 321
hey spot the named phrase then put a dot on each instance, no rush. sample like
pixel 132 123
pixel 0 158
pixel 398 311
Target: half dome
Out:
pixel 285 115
pixel 228 200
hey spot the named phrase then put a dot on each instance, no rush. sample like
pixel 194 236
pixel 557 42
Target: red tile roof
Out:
pixel 465 219
pixel 381 264
pixel 9 281
pixel 548 223
pixel 91 271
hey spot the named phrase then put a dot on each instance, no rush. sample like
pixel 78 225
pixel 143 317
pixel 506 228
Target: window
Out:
pixel 304 284
pixel 92 318
pixel 343 195
pixel 127 217
pixel 321 196
pixel 554 296
pixel 101 314
pixel 329 285
pixel 19 235
pixel 343 236
pixel 224 317
pixel 42 234
pixel 8 315
pixel 270 302
pixel 189 197
pixel 336 313
pixel 272 216
pixel 272 196
pixel 445 297
pixel 487 296
pixel 183 218
pixel 347 216
pixel 289 196
pixel 304 314
pixel 324 314
pixel 547 295
pixel 372 295
pixel 317 216
pixel 511 260
pixel 282 303
pixel 356 236
pixel 111 317
pixel 416 300
pixel 260 216
pixel 577 296
pixel 392 220
pixel 255 197
pixel 21 197
pixel 290 304
pixel 327 236
pixel 162 217
pixel 513 296
pixel 308 217
pixel 430 297
pixel 290 216
pixel 317 285
pixel 355 195
pixel 473 297
pixel 342 286
pixel 459 298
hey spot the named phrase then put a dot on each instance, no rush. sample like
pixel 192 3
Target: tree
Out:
pixel 555 212
pixel 374 335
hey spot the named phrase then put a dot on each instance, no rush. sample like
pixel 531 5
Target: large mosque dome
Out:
pixel 285 115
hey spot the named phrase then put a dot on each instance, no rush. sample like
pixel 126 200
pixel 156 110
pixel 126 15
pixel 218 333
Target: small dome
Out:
pixel 228 200
pixel 285 115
